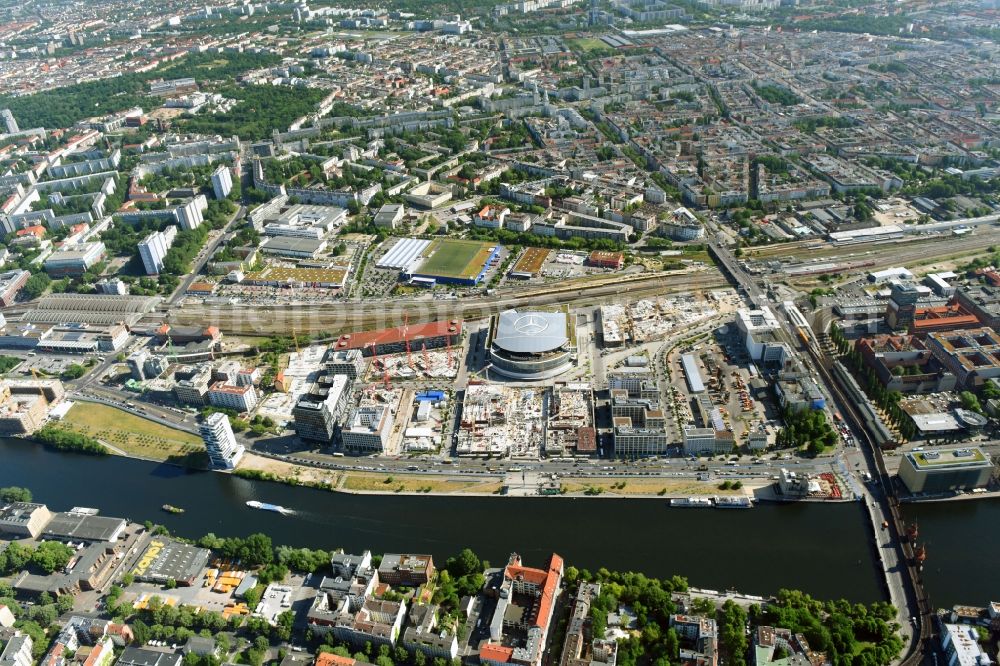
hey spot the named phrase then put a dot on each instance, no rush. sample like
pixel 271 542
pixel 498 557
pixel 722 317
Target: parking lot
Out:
pixel 730 384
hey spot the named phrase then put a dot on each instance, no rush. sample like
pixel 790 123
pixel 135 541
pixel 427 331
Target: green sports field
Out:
pixel 456 258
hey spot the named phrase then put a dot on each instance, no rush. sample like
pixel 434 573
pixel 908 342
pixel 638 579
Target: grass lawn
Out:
pixel 411 483
pixel 587 44
pixel 452 258
pixel 8 363
pixel 218 62
pixel 648 487
pixel 133 434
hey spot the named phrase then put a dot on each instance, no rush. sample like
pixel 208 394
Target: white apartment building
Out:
pixel 241 398
pixel 18 651
pixel 9 122
pixel 223 450
pixel 368 429
pixel 152 249
pixel 190 214
pixel 222 182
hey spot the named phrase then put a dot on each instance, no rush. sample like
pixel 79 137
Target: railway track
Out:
pixel 904 577
pixel 901 251
pixel 920 643
pixel 338 317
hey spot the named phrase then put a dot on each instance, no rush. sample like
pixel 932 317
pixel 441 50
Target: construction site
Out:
pixel 500 420
pixel 570 428
pixel 650 319
pixel 425 364
pixel 302 369
pixel 425 423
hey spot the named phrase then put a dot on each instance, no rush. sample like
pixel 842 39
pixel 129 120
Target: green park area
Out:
pixel 134 435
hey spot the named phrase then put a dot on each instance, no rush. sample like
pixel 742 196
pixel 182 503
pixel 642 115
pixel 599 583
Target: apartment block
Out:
pixel 222 182
pixel 231 396
pixel 405 570
pixel 224 451
pixel 368 429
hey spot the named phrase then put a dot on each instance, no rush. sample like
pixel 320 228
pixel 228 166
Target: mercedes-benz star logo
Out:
pixel 530 324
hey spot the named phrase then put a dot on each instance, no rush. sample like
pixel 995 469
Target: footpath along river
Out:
pixel 822 549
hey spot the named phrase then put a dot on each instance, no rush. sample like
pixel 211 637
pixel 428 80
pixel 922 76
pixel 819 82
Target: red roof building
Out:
pixel 433 335
pixel 533 592
pixel 586 440
pixel 186 334
pixel 37 231
pixel 951 317
pixel 605 259
pixel 331 659
pixel 492 653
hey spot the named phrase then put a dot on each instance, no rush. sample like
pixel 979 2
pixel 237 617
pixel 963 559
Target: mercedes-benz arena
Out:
pixel 530 346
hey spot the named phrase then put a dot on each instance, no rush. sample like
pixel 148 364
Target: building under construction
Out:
pixel 500 420
pixel 433 335
pixel 423 364
pixel 570 425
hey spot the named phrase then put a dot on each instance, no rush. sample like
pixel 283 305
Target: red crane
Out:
pixel 376 361
pixel 406 339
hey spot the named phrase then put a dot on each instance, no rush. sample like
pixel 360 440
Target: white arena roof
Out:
pixel 403 253
pixel 530 332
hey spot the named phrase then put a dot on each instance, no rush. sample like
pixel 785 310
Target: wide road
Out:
pixel 203 257
pixel 290 449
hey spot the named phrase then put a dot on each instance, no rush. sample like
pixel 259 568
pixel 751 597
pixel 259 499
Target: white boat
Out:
pixel 264 506
pixel 733 503
pixel 692 502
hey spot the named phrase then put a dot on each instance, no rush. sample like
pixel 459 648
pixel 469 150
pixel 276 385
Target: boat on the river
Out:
pixel 170 508
pixel 264 506
pixel 733 503
pixel 691 502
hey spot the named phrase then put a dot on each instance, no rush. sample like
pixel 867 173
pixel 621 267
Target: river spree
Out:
pixel 822 549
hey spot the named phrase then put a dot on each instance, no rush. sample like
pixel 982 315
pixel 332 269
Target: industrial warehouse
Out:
pixel 168 560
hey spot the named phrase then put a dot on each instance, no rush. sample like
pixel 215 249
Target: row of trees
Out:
pixel 67 440
pixel 776 94
pixel 806 427
pixel 649 598
pixel 525 239
pixel 849 634
pixel 48 557
pixel 35 619
pixel 733 634
pixel 254 550
pixel 36 285
pixel 261 109
pixel 462 576
pixel 15 494
pixel 888 401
